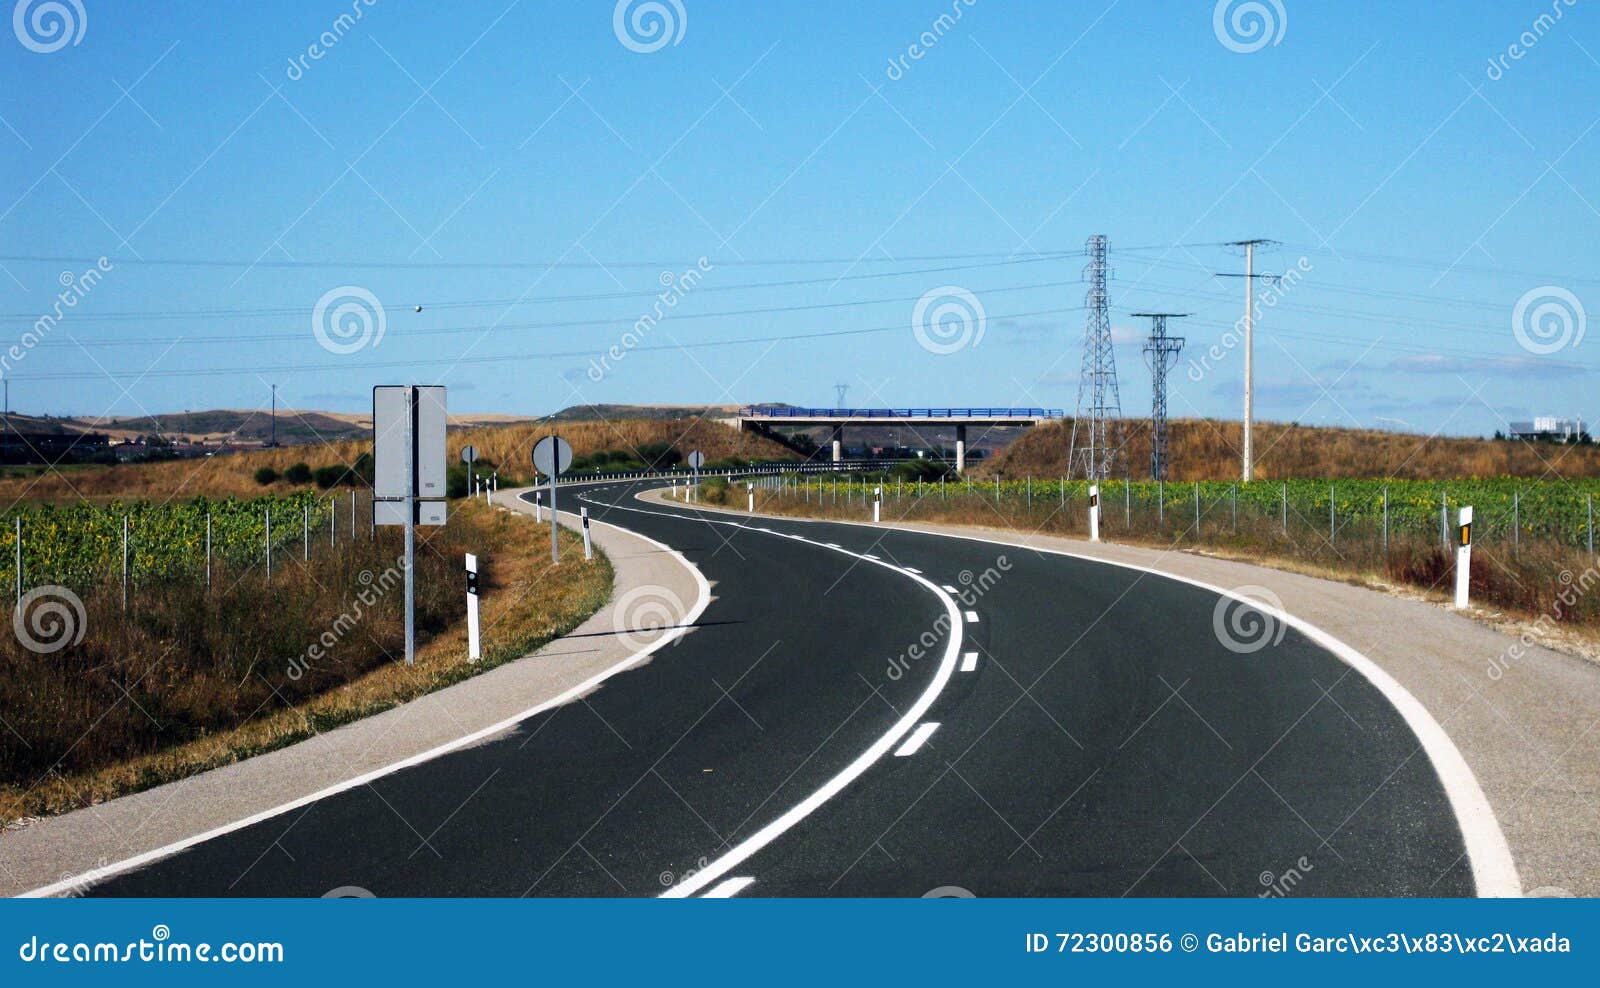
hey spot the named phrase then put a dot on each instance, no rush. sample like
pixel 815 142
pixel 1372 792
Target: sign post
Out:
pixel 552 455
pixel 697 460
pixel 469 456
pixel 1094 512
pixel 408 427
pixel 1464 556
pixel 474 652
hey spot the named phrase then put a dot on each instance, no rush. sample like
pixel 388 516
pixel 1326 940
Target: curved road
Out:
pixel 1095 737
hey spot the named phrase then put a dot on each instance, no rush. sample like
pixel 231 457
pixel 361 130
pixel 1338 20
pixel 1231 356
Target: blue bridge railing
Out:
pixel 762 411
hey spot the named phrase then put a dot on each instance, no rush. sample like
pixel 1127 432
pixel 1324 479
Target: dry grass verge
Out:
pixel 197 682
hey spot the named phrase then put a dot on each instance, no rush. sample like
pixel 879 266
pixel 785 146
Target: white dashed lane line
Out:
pixel 918 738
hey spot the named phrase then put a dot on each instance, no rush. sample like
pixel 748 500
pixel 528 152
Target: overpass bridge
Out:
pixel 762 418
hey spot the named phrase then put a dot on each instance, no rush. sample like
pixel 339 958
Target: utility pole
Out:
pixel 1250 276
pixel 1161 352
pixel 1098 399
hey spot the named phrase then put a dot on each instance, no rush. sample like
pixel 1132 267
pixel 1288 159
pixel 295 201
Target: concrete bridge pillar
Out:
pixel 961 449
pixel 838 443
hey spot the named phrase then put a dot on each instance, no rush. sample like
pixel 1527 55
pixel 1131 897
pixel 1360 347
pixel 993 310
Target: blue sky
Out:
pixel 1426 190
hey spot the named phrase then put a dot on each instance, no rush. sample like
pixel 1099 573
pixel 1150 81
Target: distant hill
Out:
pixel 228 426
pixel 596 413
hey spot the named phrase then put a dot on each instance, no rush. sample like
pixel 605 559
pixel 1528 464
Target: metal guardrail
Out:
pixel 759 411
pixel 754 469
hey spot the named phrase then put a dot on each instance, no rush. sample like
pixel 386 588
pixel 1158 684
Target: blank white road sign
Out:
pixel 425 478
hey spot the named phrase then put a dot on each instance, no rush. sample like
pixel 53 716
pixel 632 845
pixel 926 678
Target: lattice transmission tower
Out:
pixel 1096 444
pixel 1160 352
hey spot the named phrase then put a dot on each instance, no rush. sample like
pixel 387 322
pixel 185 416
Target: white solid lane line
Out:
pixel 969 662
pixel 918 738
pixel 729 888
pixel 882 746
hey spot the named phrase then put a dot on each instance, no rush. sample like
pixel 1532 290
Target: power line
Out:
pixel 504 265
pixel 297 335
pixel 346 367
pixel 699 289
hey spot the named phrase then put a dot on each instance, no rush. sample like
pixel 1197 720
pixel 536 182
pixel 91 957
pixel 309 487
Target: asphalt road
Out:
pixel 1106 742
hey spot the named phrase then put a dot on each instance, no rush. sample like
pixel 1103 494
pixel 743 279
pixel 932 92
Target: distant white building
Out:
pixel 1548 427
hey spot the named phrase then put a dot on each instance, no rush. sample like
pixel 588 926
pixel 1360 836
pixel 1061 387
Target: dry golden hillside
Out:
pixel 1208 449
pixel 510 446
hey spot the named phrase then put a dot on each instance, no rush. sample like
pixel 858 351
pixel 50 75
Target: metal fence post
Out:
pixel 1516 523
pixel 1161 503
pixel 1589 500
pixel 1285 496
pixel 1234 494
pixel 305 532
pixel 1444 521
pixel 269 543
pixel 1197 509
pixel 19 559
pixel 1331 529
pixel 208 550
pixel 1127 505
pixel 1386 521
pixel 124 562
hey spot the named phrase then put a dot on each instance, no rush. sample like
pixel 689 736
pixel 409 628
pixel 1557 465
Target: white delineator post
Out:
pixel 474 652
pixel 1094 512
pixel 588 552
pixel 752 489
pixel 877 503
pixel 1463 555
pixel 538 507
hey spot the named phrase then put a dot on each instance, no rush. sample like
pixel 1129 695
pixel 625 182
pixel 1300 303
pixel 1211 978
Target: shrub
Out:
pixel 298 473
pixel 331 476
pixel 266 475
